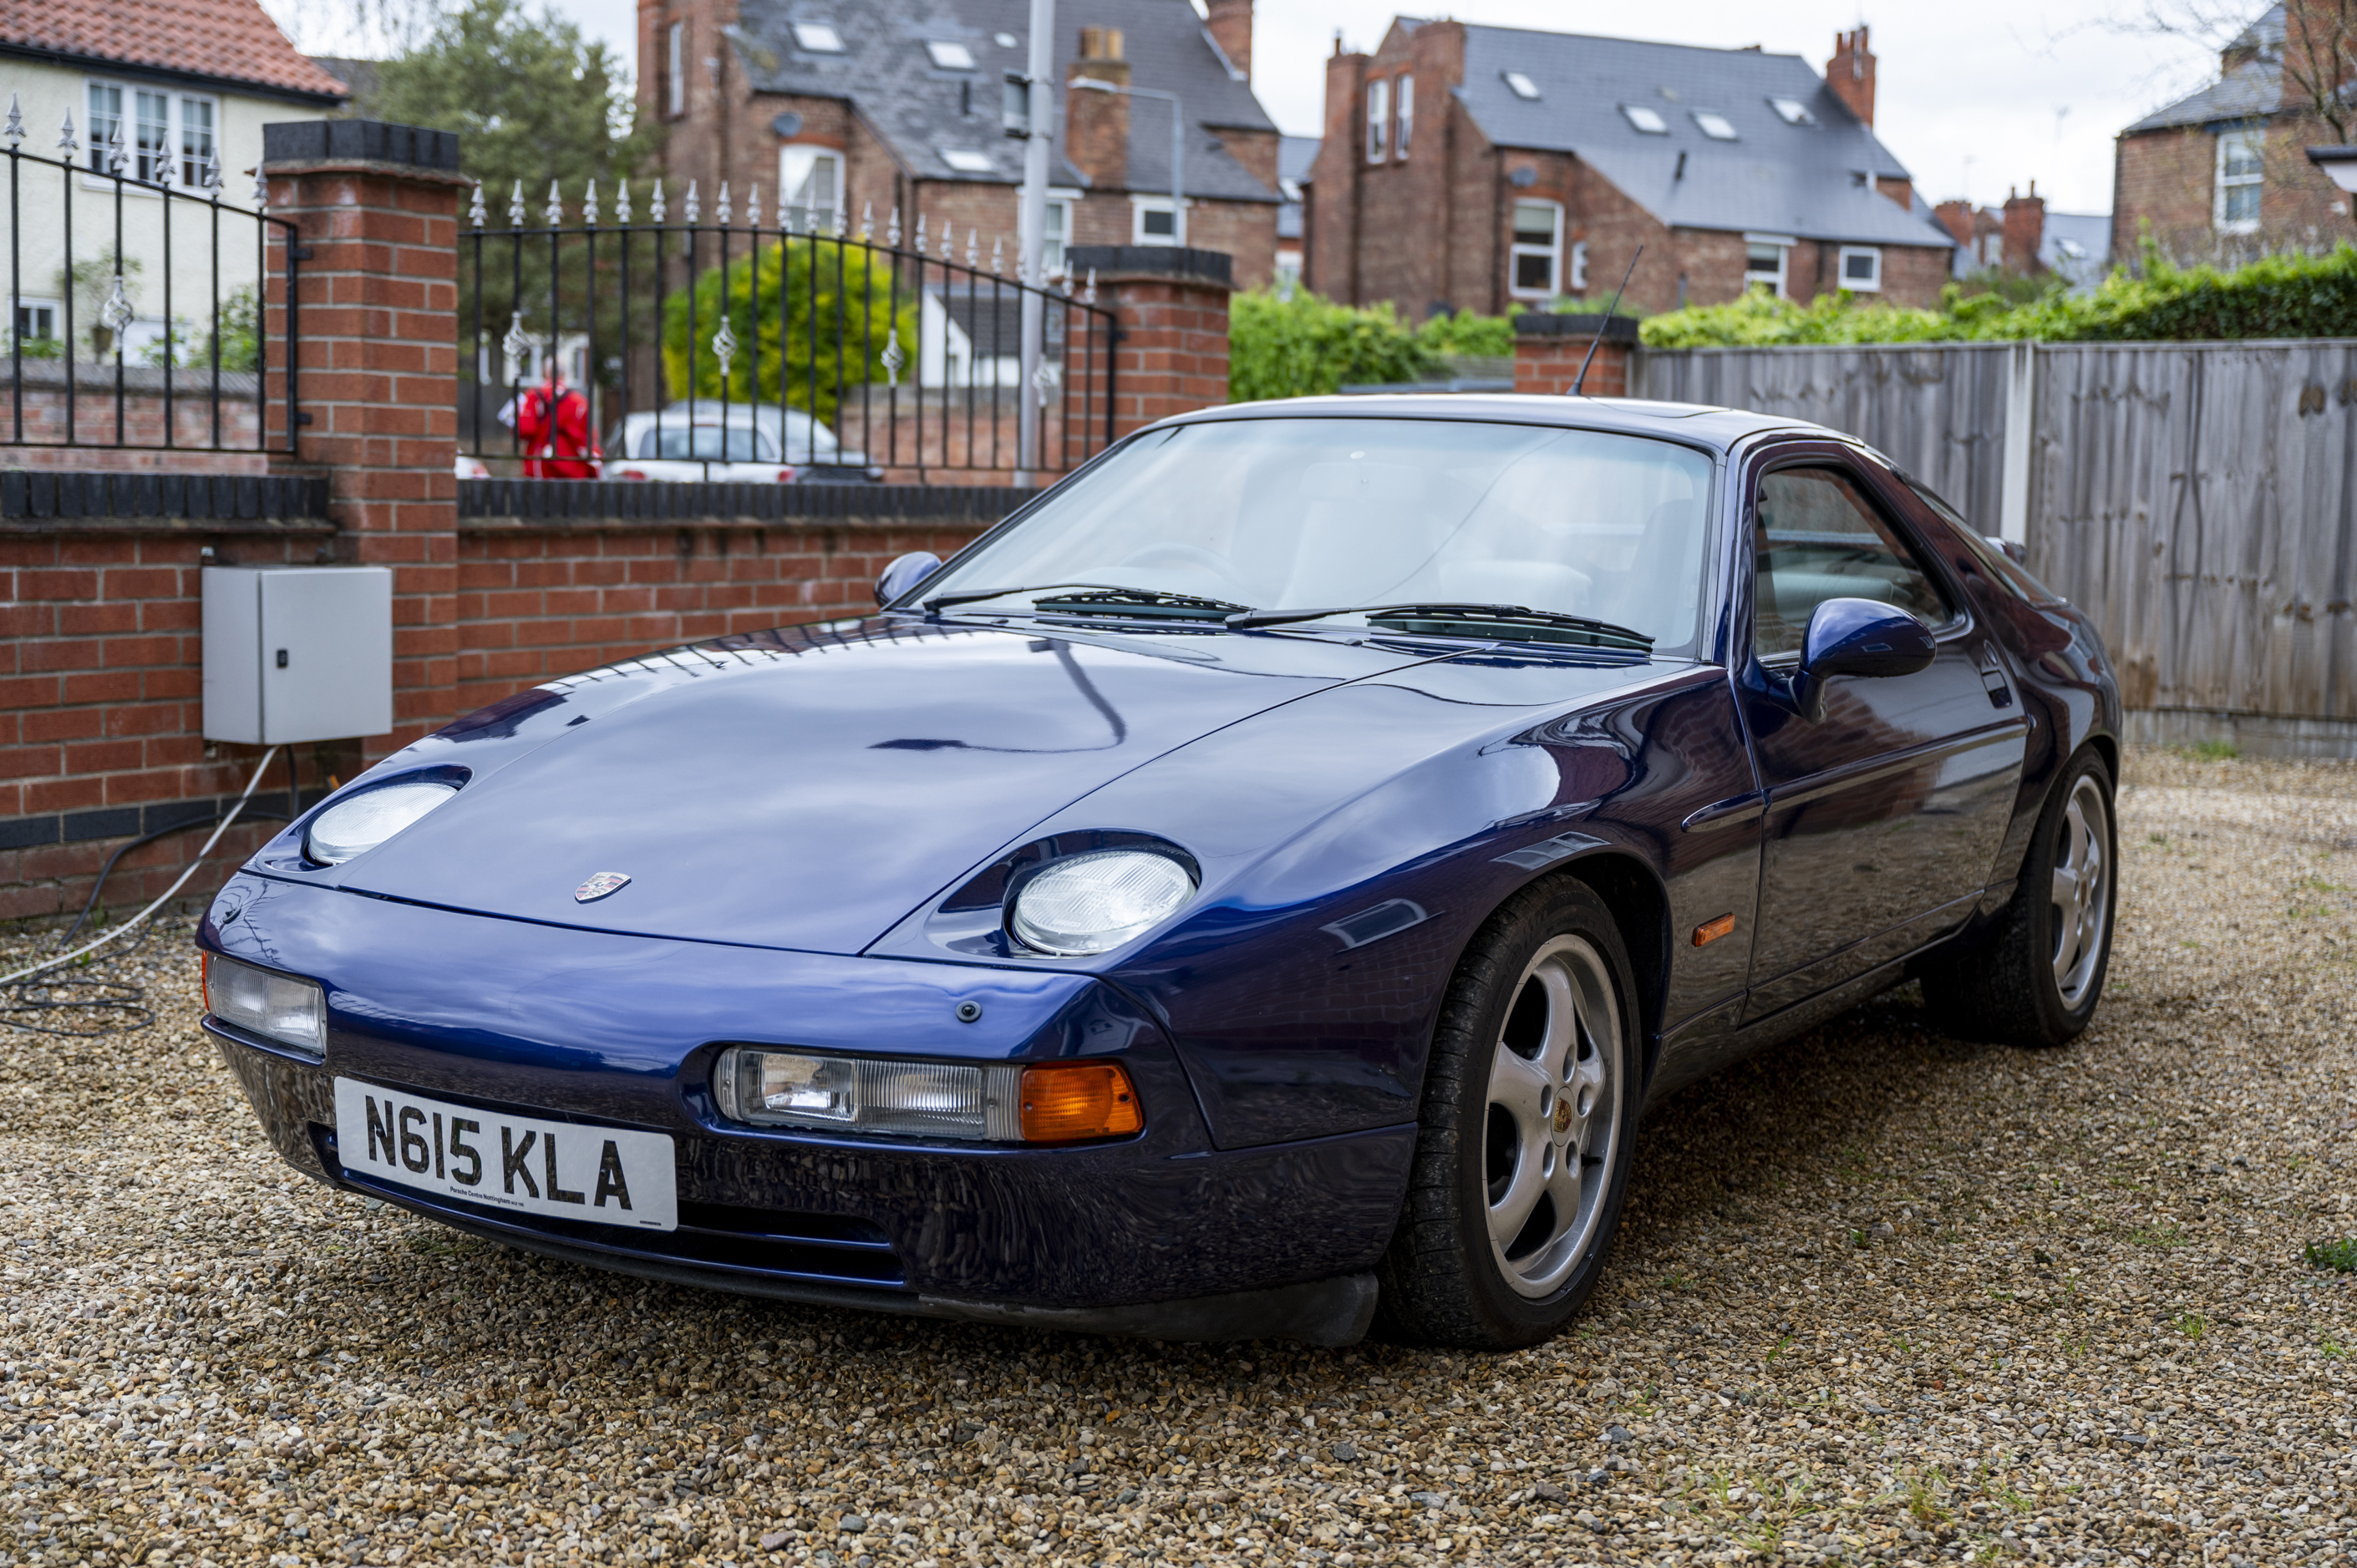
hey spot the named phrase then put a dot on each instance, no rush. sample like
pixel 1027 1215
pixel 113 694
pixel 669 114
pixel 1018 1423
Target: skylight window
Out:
pixel 1792 110
pixel 1718 127
pixel 948 55
pixel 818 37
pixel 1649 121
pixel 966 160
pixel 1521 86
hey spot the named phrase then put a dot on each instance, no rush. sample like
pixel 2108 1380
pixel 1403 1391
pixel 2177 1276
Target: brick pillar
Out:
pixel 1548 350
pixel 377 322
pixel 1172 305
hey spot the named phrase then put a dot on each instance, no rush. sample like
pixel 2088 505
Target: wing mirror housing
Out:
pixel 1859 637
pixel 904 574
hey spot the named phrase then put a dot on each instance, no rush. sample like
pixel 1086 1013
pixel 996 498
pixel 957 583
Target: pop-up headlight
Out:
pixel 360 823
pixel 999 1103
pixel 278 1007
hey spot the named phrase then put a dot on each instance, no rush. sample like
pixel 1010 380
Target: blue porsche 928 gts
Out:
pixel 1253 890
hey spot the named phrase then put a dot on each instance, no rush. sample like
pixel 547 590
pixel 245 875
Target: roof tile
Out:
pixel 232 40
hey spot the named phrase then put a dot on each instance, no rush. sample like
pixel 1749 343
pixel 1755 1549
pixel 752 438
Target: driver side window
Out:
pixel 1816 537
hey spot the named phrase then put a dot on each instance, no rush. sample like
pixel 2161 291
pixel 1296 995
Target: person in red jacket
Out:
pixel 552 424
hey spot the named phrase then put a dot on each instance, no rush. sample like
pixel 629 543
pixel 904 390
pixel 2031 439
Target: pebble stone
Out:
pixel 1882 1296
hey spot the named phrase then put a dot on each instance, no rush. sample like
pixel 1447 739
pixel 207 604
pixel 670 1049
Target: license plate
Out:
pixel 605 1174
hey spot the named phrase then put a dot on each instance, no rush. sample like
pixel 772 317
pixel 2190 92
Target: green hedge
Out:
pixel 2277 296
pixel 1305 344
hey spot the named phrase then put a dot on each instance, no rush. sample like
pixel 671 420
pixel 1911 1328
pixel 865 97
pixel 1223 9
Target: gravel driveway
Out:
pixel 1881 1295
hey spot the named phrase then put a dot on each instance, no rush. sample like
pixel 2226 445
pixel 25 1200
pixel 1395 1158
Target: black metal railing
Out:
pixel 88 364
pixel 708 351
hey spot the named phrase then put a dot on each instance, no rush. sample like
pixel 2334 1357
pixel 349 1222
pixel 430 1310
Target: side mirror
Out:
pixel 904 574
pixel 1859 637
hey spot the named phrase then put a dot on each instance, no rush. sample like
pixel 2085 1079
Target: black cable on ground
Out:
pixel 108 870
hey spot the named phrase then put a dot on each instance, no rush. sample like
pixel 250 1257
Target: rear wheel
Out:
pixel 2036 979
pixel 1522 1160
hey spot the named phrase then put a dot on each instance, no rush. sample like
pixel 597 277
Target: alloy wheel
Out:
pixel 2083 891
pixel 1553 1116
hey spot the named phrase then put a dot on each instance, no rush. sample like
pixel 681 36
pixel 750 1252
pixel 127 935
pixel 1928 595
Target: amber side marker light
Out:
pixel 1711 930
pixel 1079 1100
pixel 205 977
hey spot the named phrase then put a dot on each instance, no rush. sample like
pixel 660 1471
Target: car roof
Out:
pixel 1719 428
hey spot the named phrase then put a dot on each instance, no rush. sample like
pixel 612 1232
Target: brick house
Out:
pixel 188 88
pixel 871 106
pixel 1484 169
pixel 2221 174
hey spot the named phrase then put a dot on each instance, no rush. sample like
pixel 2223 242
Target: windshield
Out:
pixel 1302 513
pixel 707 443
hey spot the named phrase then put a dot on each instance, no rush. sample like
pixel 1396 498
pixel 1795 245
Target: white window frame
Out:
pixel 1403 117
pixel 2256 140
pixel 54 306
pixel 1379 114
pixel 797 161
pixel 1578 283
pixel 1517 249
pixel 1062 204
pixel 1638 113
pixel 189 171
pixel 1781 280
pixel 1140 206
pixel 1710 122
pixel 675 70
pixel 1841 269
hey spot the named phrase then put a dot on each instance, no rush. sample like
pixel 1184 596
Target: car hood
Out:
pixel 808 789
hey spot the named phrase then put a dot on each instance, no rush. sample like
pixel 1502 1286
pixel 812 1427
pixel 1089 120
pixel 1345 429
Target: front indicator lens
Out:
pixel 1093 903
pixel 278 1007
pixel 1085 1099
pixel 360 823
pixel 1000 1104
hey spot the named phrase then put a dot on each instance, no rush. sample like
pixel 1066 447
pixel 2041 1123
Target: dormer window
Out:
pixel 1718 127
pixel 948 55
pixel 1647 121
pixel 1520 86
pixel 817 39
pixel 1792 110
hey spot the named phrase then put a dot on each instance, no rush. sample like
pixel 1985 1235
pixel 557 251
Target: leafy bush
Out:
pixel 2277 297
pixel 1307 345
pixel 1466 333
pixel 241 337
pixel 837 325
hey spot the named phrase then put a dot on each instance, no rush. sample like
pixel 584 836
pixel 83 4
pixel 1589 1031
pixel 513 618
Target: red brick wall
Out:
pixel 2166 185
pixel 1173 355
pixel 1548 366
pixel 45 425
pixel 537 601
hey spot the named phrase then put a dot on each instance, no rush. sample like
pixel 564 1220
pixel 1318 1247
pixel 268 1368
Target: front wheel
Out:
pixel 2036 979
pixel 1522 1160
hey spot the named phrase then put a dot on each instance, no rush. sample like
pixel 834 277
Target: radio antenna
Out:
pixel 1581 380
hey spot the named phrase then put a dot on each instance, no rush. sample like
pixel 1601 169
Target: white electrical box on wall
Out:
pixel 298 653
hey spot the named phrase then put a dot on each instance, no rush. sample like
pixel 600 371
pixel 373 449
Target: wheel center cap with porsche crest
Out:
pixel 600 886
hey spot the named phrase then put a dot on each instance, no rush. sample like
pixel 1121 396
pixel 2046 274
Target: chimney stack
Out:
pixel 2025 230
pixel 1096 124
pixel 1850 73
pixel 1231 22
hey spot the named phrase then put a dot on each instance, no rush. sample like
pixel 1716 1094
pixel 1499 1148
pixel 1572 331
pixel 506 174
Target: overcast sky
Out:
pixel 1972 98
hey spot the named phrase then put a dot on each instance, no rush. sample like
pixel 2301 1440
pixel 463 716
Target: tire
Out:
pixel 1530 1104
pixel 2036 979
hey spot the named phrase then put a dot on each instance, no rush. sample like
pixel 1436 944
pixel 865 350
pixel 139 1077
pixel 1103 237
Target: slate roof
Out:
pixel 885 73
pixel 2247 89
pixel 231 41
pixel 1294 154
pixel 1801 180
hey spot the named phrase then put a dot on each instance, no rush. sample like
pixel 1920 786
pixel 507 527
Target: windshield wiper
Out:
pixel 1507 618
pixel 1097 599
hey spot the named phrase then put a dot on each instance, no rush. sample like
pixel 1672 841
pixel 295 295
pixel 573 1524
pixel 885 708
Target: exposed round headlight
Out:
pixel 1093 903
pixel 354 826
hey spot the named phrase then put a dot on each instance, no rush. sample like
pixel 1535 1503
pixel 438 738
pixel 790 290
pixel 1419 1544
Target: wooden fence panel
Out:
pixel 1938 412
pixel 2198 499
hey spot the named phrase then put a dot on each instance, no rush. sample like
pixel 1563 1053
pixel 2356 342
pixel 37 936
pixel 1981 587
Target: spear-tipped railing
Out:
pixel 737 345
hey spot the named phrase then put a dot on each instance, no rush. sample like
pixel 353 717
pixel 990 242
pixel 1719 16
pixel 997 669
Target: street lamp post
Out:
pixel 1177 145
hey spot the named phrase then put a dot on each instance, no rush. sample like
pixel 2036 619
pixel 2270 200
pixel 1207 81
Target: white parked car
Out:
pixel 699 439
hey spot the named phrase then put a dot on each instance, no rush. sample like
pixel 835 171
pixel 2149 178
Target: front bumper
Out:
pixel 1160 1234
